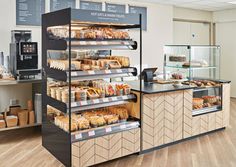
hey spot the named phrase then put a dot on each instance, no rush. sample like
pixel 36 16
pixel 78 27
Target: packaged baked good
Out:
pixel 210 99
pixel 1 116
pixel 92 93
pixel 11 121
pixel 97 121
pixel 83 123
pixel 80 95
pixel 89 114
pixel 2 124
pixel 111 119
pixel 121 111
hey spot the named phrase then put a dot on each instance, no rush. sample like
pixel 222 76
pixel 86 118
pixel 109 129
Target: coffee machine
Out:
pixel 23 55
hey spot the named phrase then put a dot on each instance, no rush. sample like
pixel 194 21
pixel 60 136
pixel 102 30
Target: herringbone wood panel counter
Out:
pixel 22 148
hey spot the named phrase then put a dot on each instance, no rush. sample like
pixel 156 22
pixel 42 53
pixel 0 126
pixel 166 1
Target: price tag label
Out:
pixel 104 43
pixel 91 133
pixel 73 104
pixel 119 71
pixel 105 100
pixel 95 101
pixel 83 43
pixel 91 72
pixel 93 43
pixel 83 103
pixel 73 74
pixel 114 98
pixel 107 71
pixel 108 129
pixel 125 97
pixel 133 124
pixel 78 136
pixel 126 43
pixel 122 126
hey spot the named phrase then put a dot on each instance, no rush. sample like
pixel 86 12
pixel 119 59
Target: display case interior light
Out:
pixel 232 2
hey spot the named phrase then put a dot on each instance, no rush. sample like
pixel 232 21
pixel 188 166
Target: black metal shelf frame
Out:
pixel 55 140
pixel 80 106
pixel 89 75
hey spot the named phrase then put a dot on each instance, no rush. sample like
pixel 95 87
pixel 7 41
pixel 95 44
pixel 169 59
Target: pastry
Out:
pixel 83 123
pixel 198 101
pixel 111 119
pixel 1 117
pixel 80 95
pixel 210 99
pixel 122 112
pixel 177 58
pixel 177 76
pixel 97 121
pixel 89 114
pixel 85 67
pixel 2 124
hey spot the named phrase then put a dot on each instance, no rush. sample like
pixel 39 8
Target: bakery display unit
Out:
pixel 198 66
pixel 87 118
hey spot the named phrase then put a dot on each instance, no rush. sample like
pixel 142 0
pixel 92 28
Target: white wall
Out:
pixel 158 34
pixel 226 38
pixel 191 14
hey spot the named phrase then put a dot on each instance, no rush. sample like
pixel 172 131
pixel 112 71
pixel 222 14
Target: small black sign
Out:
pixel 87 5
pixel 116 8
pixel 28 12
pixel 140 10
pixel 61 4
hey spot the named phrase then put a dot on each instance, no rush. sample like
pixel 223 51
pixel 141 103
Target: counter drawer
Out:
pixel 102 149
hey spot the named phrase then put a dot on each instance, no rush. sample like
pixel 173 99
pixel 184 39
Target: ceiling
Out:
pixel 208 5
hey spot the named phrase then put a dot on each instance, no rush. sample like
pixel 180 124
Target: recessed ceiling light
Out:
pixel 232 2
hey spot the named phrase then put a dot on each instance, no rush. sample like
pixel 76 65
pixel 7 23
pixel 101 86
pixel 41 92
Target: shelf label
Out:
pixel 78 136
pixel 123 126
pixel 83 43
pixel 108 129
pixel 126 43
pixel 104 43
pixel 91 133
pixel 134 124
pixel 73 74
pixel 95 101
pixel 108 71
pixel 125 97
pixel 91 72
pixel 73 104
pixel 105 100
pixel 114 98
pixel 93 43
pixel 83 103
pixel 119 71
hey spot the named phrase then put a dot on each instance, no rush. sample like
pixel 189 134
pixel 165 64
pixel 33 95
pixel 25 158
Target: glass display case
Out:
pixel 189 62
pixel 198 66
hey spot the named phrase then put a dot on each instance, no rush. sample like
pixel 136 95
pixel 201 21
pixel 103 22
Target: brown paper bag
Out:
pixel 14 110
pixel 31 117
pixel 23 117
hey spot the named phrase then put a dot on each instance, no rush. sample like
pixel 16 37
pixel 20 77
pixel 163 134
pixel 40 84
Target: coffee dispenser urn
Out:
pixel 23 55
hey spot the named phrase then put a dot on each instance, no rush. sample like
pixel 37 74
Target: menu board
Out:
pixel 116 8
pixel 61 4
pixel 28 12
pixel 88 5
pixel 140 10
